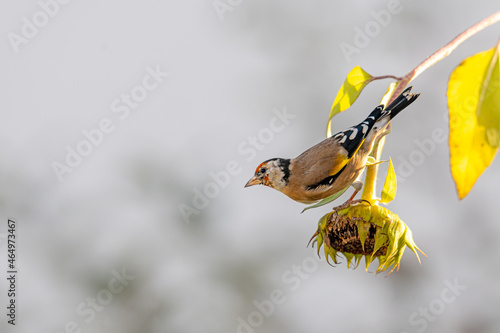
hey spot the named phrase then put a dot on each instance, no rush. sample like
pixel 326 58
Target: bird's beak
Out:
pixel 253 181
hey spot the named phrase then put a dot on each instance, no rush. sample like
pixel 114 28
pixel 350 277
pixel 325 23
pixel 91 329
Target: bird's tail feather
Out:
pixel 401 102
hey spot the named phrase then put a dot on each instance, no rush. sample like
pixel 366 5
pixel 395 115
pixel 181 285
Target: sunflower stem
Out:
pixel 370 186
pixel 444 52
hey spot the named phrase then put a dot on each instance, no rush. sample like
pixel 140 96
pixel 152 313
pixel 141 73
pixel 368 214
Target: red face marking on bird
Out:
pixel 262 175
pixel 266 181
pixel 260 167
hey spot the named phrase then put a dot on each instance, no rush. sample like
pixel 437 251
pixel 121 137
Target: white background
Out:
pixel 119 210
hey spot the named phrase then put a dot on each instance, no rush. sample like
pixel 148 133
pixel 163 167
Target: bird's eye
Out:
pixel 262 170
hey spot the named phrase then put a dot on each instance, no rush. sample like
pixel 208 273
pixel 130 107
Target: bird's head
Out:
pixel 273 173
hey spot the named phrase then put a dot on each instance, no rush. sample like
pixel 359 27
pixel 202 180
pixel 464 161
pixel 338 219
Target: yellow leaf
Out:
pixel 390 185
pixel 388 94
pixel 371 161
pixel 354 83
pixel 474 111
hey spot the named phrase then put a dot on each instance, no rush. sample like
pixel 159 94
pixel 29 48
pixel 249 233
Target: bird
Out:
pixel 335 163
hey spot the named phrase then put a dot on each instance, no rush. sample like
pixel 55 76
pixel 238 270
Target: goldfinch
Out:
pixel 333 164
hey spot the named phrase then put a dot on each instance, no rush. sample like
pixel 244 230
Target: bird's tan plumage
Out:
pixel 333 164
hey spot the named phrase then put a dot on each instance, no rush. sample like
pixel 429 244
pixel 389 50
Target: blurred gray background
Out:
pixel 240 262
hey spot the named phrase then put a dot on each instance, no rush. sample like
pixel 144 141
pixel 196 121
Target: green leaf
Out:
pixel 474 113
pixel 390 185
pixel 327 200
pixel 354 83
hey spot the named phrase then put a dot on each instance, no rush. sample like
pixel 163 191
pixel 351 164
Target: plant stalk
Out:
pixel 369 188
pixel 444 52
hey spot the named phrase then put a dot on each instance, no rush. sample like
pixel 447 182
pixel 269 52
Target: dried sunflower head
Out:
pixel 365 230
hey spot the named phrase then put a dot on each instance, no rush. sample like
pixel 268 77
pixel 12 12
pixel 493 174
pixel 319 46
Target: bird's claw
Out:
pixel 348 203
